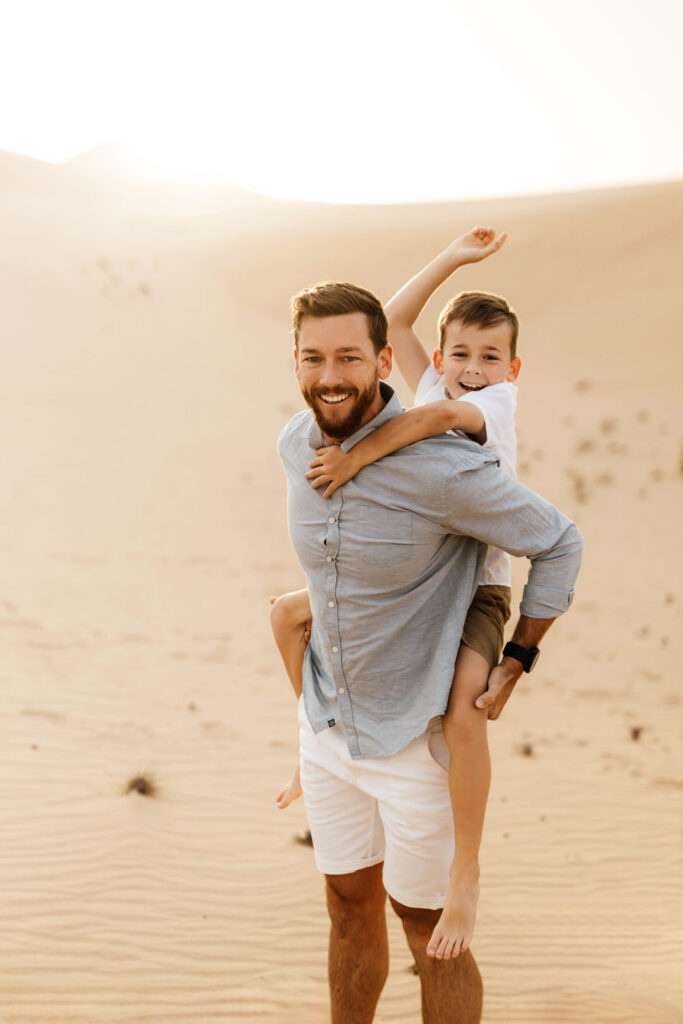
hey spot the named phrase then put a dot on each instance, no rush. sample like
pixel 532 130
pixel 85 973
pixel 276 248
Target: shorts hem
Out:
pixel 346 867
pixel 409 899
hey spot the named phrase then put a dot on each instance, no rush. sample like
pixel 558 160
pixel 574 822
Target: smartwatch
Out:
pixel 528 656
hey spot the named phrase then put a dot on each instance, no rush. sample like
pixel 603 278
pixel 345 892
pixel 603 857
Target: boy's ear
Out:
pixel 515 367
pixel 437 359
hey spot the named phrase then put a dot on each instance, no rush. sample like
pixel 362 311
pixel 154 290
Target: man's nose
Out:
pixel 330 375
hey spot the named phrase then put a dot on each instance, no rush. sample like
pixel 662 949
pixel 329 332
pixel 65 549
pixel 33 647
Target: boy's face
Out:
pixel 475 357
pixel 339 372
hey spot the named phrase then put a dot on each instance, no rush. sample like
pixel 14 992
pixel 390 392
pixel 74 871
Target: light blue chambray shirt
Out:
pixel 392 561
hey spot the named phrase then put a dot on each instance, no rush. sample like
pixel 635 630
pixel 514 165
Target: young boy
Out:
pixel 467 387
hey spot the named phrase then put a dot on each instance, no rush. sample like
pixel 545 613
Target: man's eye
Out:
pixel 350 359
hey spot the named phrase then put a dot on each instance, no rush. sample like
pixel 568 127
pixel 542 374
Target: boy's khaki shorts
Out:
pixel 485 622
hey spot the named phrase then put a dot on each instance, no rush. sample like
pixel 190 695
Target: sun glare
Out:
pixel 364 104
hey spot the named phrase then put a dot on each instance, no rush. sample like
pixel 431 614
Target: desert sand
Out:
pixel 145 373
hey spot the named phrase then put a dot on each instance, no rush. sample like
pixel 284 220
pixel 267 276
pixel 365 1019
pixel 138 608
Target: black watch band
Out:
pixel 528 656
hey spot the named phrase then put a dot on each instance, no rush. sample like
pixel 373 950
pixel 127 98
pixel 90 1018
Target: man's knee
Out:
pixel 356 896
pixel 418 922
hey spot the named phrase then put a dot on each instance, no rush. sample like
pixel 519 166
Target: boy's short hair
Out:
pixel 481 309
pixel 335 298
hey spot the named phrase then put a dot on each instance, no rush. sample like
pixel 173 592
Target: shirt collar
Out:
pixel 391 408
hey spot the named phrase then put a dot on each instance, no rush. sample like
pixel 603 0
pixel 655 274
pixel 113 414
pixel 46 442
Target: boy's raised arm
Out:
pixel 333 466
pixel 404 308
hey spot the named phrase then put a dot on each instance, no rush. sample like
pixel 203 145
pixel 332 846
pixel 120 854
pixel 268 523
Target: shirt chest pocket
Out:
pixel 382 540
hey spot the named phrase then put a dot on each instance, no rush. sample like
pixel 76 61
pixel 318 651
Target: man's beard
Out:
pixel 340 429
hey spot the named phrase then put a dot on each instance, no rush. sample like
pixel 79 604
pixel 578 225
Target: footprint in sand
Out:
pixel 143 785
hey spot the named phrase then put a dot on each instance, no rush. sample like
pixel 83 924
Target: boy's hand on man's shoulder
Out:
pixel 476 245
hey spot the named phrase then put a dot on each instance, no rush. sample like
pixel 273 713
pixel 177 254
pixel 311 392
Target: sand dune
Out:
pixel 146 371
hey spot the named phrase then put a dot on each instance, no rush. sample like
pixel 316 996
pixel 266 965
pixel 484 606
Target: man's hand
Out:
pixel 476 245
pixel 331 466
pixel 500 685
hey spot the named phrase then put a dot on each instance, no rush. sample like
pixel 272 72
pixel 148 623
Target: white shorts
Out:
pixel 394 809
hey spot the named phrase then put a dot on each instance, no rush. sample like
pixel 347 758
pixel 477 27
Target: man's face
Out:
pixel 339 372
pixel 475 357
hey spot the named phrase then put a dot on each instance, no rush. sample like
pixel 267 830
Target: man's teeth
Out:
pixel 333 399
pixel 472 387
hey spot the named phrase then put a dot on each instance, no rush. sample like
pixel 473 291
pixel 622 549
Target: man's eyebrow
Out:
pixel 343 350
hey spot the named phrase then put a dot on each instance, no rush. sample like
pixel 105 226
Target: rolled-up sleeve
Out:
pixel 487 504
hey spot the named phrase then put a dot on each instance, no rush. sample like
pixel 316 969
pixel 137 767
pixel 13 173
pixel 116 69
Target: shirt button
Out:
pixel 341 689
pixel 331 519
pixel 335 650
pixel 330 604
pixel 328 558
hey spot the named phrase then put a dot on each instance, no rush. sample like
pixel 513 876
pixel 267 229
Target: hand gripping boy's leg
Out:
pixel 469 779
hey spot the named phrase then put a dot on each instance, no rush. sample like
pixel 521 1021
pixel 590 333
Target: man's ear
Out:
pixel 296 361
pixel 437 359
pixel 385 362
pixel 515 367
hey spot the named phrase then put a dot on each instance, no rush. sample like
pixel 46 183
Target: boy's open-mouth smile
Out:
pixel 471 387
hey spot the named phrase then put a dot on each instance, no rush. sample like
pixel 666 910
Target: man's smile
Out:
pixel 334 399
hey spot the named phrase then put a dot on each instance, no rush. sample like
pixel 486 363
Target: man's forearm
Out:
pixel 529 632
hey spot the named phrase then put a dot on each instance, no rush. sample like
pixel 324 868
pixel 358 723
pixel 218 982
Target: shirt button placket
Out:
pixel 332 618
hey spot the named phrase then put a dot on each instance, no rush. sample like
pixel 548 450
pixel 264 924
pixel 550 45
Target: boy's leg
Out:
pixel 290 619
pixel 469 778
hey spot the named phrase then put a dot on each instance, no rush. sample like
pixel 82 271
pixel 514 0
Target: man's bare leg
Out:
pixel 290 620
pixel 452 990
pixel 359 949
pixel 469 779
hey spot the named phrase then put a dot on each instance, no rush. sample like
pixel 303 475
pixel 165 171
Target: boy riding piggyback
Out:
pixel 467 386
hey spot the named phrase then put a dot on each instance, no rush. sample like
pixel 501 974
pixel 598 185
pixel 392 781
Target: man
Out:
pixel 392 561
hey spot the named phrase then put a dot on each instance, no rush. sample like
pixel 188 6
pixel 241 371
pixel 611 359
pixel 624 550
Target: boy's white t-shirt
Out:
pixel 497 404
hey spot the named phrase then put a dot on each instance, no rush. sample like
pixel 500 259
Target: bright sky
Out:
pixel 365 100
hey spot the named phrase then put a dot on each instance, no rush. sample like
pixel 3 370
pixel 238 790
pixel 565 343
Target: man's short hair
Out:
pixel 481 309
pixel 335 298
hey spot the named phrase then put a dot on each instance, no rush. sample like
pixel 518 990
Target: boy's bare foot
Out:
pixel 291 791
pixel 453 932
